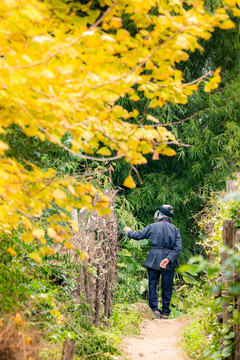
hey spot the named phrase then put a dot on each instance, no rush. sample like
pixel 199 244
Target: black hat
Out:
pixel 166 210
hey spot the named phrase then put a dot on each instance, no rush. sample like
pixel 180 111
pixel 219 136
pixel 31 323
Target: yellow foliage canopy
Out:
pixel 61 71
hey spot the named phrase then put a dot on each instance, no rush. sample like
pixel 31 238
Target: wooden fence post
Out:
pixel 228 237
pixel 69 350
pixel 232 185
pixel 237 304
pixel 97 238
pixel 228 240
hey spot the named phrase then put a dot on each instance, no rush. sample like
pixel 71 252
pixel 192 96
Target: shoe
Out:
pixel 156 315
pixel 163 316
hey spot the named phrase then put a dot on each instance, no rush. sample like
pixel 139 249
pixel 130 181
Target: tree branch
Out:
pixel 81 156
pixel 199 79
pixel 174 143
pixel 139 65
pixel 174 123
pixel 137 172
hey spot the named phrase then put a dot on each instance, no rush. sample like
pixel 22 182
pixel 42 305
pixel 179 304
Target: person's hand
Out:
pixel 127 228
pixel 163 263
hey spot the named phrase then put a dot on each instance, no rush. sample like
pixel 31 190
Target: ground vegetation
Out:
pixel 73 75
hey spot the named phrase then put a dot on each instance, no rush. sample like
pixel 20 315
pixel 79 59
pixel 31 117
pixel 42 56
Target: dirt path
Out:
pixel 159 340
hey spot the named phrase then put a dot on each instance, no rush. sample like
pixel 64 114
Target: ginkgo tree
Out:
pixel 63 66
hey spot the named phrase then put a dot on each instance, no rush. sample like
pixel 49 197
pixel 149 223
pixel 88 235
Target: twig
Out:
pixel 139 65
pixel 137 172
pixel 98 353
pixel 143 114
pixel 16 243
pixel 110 138
pixel 174 123
pixel 81 156
pixel 199 79
pixel 174 143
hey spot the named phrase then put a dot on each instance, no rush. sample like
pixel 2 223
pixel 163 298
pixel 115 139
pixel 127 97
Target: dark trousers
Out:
pixel 167 287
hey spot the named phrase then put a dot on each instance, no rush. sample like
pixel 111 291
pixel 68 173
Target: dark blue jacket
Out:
pixel 166 243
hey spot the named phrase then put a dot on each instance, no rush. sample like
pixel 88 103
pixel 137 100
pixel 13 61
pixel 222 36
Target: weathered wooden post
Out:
pixel 97 238
pixel 82 246
pixel 99 260
pixel 237 304
pixel 228 240
pixel 111 252
pixel 232 185
pixel 90 279
pixel 69 350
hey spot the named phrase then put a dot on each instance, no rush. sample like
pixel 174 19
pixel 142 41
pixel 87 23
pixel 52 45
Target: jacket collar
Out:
pixel 166 220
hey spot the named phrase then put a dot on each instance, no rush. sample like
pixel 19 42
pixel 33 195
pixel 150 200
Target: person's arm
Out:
pixel 172 256
pixel 138 235
pixel 174 253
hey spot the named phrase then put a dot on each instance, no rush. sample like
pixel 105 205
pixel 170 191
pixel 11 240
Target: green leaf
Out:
pixel 227 351
pixel 184 268
pixel 206 352
pixel 230 335
pixel 124 252
pixel 189 279
pixel 143 242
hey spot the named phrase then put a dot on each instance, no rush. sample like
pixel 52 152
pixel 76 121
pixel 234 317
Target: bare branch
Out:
pixel 137 172
pixel 81 156
pixel 174 123
pixel 175 143
pixel 199 79
pixel 139 65
pixel 143 114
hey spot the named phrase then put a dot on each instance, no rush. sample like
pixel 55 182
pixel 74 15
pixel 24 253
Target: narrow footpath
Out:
pixel 159 340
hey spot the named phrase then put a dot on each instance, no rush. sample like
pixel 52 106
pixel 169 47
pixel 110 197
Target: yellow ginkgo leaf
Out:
pixel 168 151
pixel 116 22
pixel 51 232
pixel 230 2
pixel 28 340
pixel 46 250
pixel 27 237
pixel 35 256
pixel 211 85
pixel 104 151
pixel 3 146
pixel 227 24
pixel 68 245
pixel 12 251
pixel 59 194
pixel 152 118
pixel 134 97
pixel 38 233
pixel 71 190
pixel 84 256
pixel 155 155
pixel 216 72
pixel 18 318
pixel 129 182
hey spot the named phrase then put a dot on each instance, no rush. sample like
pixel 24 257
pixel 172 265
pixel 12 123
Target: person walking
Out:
pixel 162 258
